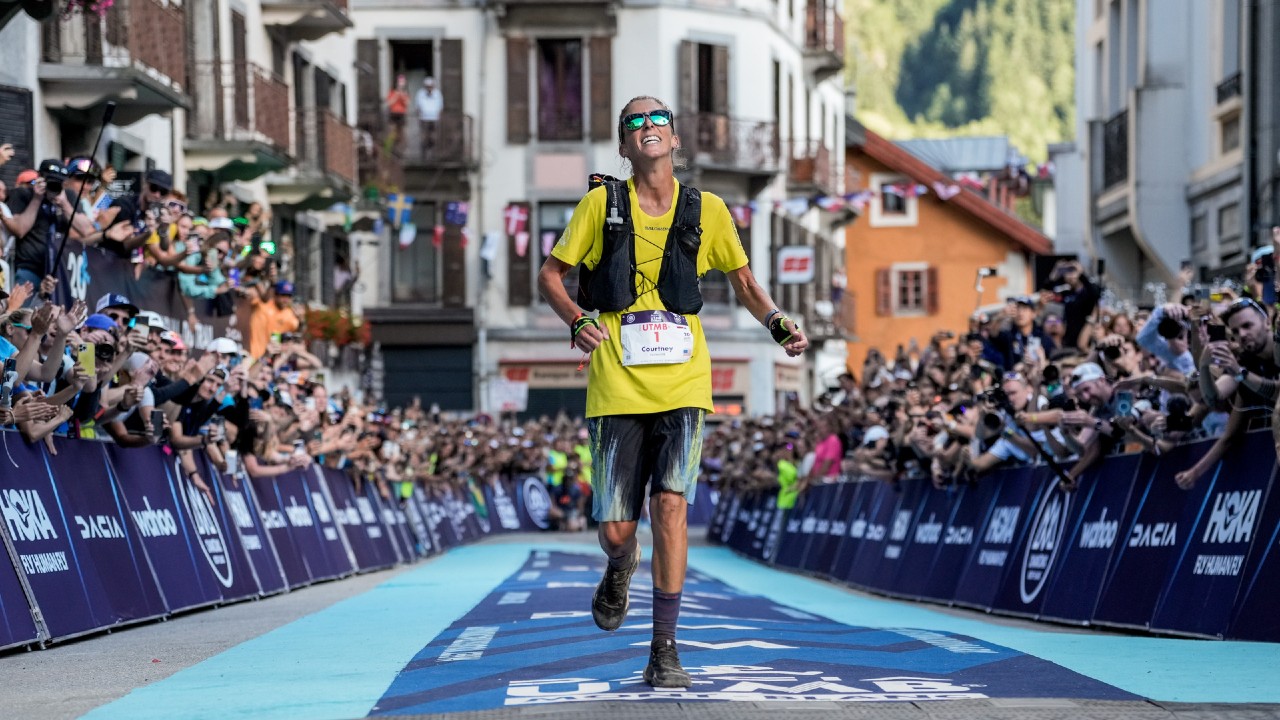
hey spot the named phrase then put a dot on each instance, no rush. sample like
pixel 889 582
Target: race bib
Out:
pixel 655 338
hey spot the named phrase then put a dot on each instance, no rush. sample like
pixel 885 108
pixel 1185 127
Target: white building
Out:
pixel 531 94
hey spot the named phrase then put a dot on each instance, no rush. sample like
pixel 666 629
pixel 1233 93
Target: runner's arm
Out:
pixel 551 285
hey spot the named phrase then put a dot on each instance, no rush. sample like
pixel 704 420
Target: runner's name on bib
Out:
pixel 655 337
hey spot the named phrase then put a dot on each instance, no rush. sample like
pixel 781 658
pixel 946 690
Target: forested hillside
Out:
pixel 936 68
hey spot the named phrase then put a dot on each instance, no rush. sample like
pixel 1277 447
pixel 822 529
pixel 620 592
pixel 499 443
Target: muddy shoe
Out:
pixel 663 670
pixel 610 602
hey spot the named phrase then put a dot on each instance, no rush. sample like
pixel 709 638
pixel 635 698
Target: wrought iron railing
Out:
pixel 134 33
pixel 724 142
pixel 337 146
pixel 1115 149
pixel 449 143
pixel 238 101
pixel 824 29
pixel 1229 88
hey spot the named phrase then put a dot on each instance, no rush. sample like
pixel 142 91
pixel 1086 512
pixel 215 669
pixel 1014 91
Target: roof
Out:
pixel 900 160
pixel 966 154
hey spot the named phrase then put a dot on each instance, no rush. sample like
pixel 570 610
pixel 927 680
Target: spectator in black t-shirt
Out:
pixel 1079 295
pixel 41 213
pixel 141 211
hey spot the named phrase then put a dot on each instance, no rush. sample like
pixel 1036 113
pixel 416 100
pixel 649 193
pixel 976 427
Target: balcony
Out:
pixel 1115 150
pixel 135 56
pixel 720 142
pixel 823 40
pixel 451 147
pixel 810 170
pixel 238 127
pixel 1229 88
pixel 299 20
pixel 325 168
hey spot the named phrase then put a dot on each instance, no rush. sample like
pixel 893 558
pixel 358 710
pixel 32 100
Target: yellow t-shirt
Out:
pixel 617 389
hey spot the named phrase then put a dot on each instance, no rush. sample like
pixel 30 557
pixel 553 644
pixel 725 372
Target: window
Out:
pixel 1230 38
pixel 552 218
pixel 1200 232
pixel 560 106
pixel 893 201
pixel 415 269
pixel 1229 133
pixel 909 297
pixel 895 206
pixel 1229 220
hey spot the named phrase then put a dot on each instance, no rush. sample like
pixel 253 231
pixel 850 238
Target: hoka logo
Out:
pixel 1234 514
pixel 1004 521
pixel 25 515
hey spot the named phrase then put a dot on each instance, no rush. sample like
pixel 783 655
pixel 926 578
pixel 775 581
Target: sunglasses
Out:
pixel 635 121
pixel 157 190
pixel 1241 304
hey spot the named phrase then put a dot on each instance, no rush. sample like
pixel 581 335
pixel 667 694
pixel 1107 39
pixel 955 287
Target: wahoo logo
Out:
pixel 99 527
pixel 274 520
pixel 928 532
pixel 1046 532
pixel 1004 522
pixel 901 524
pixel 299 515
pixel 322 508
pixel 537 502
pixel 25 515
pixel 1234 514
pixel 1154 535
pixel 1099 534
pixel 208 532
pixel 239 510
pixel 152 522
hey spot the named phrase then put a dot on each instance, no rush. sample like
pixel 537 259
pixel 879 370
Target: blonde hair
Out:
pixel 678 161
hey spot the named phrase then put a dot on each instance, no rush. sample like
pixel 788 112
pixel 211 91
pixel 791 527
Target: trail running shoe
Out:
pixel 663 670
pixel 611 600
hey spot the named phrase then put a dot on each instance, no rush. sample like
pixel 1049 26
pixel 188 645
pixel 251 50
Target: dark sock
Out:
pixel 666 611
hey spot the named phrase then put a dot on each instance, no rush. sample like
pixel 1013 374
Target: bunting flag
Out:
pixel 437 235
pixel 408 233
pixel 516 219
pixel 548 242
pixel 489 247
pixel 466 237
pixel 741 215
pixel 944 191
pixel 522 243
pixel 399 208
pixel 455 213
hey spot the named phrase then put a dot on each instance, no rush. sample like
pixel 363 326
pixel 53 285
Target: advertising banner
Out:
pixel 183 565
pixel 1049 511
pixel 329 537
pixel 761 523
pixel 72 602
pixel 872 535
pixel 910 495
pixel 242 513
pixel 534 502
pixel 411 514
pixel 716 523
pixel 219 543
pixel 920 548
pixel 397 525
pixel 366 536
pixel 1092 540
pixel 704 505
pixel 17 625
pixel 830 531
pixel 295 560
pixel 1152 535
pixel 500 498
pixel 1204 583
pixel 107 546
pixel 431 502
pixel 1255 609
pixel 743 529
pixel 999 535
pixel 847 546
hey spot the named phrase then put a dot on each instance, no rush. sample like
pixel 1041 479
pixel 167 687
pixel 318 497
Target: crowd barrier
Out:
pixel 1127 549
pixel 99 536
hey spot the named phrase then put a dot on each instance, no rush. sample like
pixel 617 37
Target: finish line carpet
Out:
pixel 532 641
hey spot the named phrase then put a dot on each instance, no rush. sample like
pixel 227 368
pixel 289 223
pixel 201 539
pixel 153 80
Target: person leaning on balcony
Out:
pixel 429 102
pixel 397 108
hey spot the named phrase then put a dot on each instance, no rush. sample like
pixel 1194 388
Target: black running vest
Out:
pixel 611 286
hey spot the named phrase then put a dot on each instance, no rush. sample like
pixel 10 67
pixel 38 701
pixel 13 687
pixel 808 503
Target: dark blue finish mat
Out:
pixel 532 641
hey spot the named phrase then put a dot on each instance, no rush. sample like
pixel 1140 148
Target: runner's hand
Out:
pixel 590 337
pixel 799 343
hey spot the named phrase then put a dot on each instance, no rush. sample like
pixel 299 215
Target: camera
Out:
pixel 52 186
pixel 1178 419
pixel 1112 352
pixel 1169 328
pixel 1052 375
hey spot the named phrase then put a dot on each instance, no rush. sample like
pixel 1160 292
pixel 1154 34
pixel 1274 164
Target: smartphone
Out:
pixel 255 403
pixel 157 424
pixel 1124 403
pixel 87 356
pixel 1217 333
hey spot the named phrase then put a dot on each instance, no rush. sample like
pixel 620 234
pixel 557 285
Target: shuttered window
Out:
pixel 15 129
pixel 369 89
pixel 520 260
pixel 451 74
pixel 907 289
pixel 517 90
pixel 601 60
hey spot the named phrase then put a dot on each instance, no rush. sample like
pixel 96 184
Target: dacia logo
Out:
pixel 25 515
pixel 1046 532
pixel 1234 514
pixel 102 527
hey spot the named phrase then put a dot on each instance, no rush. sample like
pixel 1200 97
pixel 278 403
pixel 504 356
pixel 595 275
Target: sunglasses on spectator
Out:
pixel 157 190
pixel 635 121
pixel 1241 304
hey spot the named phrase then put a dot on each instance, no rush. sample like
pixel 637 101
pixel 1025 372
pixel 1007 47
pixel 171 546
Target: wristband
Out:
pixel 768 317
pixel 778 329
pixel 582 320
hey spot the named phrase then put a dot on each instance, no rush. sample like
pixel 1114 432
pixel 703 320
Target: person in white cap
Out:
pixel 1091 426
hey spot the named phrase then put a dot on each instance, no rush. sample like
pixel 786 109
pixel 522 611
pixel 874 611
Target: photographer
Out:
pixel 1022 340
pixel 1166 335
pixel 1247 380
pixel 1079 297
pixel 1094 430
pixel 142 212
pixel 41 212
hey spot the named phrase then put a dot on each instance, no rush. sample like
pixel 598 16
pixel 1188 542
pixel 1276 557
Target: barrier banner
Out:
pixel 413 509
pixel 217 531
pixel 872 535
pixel 17 624
pixel 1092 540
pixel 910 497
pixel 444 533
pixel 1255 615
pixel 704 504
pixel 472 501
pixel 716 523
pixel 534 502
pixel 247 518
pixel 328 534
pixel 740 536
pixel 773 533
pixel 829 530
pixel 1049 509
pixel 933 507
pixel 730 517
pixel 182 564
pixel 1002 531
pixel 959 538
pixel 761 522
pixel 297 561
pixel 366 536
pixel 1203 586
pixel 1150 541
pixel 393 519
pixel 500 499
pixel 108 548
pixel 71 602
pixel 847 546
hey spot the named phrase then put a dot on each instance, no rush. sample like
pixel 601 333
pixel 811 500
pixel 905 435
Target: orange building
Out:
pixel 912 258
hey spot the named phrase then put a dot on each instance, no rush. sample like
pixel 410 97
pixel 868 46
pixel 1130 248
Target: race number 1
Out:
pixel 656 338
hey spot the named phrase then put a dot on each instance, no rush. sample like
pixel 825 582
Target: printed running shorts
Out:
pixel 632 453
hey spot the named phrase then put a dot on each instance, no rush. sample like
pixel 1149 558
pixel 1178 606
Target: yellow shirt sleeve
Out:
pixel 583 240
pixel 721 247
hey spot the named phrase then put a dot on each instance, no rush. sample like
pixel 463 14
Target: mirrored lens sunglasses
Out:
pixel 635 121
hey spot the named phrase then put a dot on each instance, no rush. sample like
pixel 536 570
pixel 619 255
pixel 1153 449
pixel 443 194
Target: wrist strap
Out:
pixel 778 329
pixel 580 321
pixel 769 316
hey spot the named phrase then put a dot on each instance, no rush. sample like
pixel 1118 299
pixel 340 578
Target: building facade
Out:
pixel 1162 140
pixel 531 92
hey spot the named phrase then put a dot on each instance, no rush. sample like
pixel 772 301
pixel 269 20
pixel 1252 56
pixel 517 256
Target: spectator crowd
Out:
pixel 1063 377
